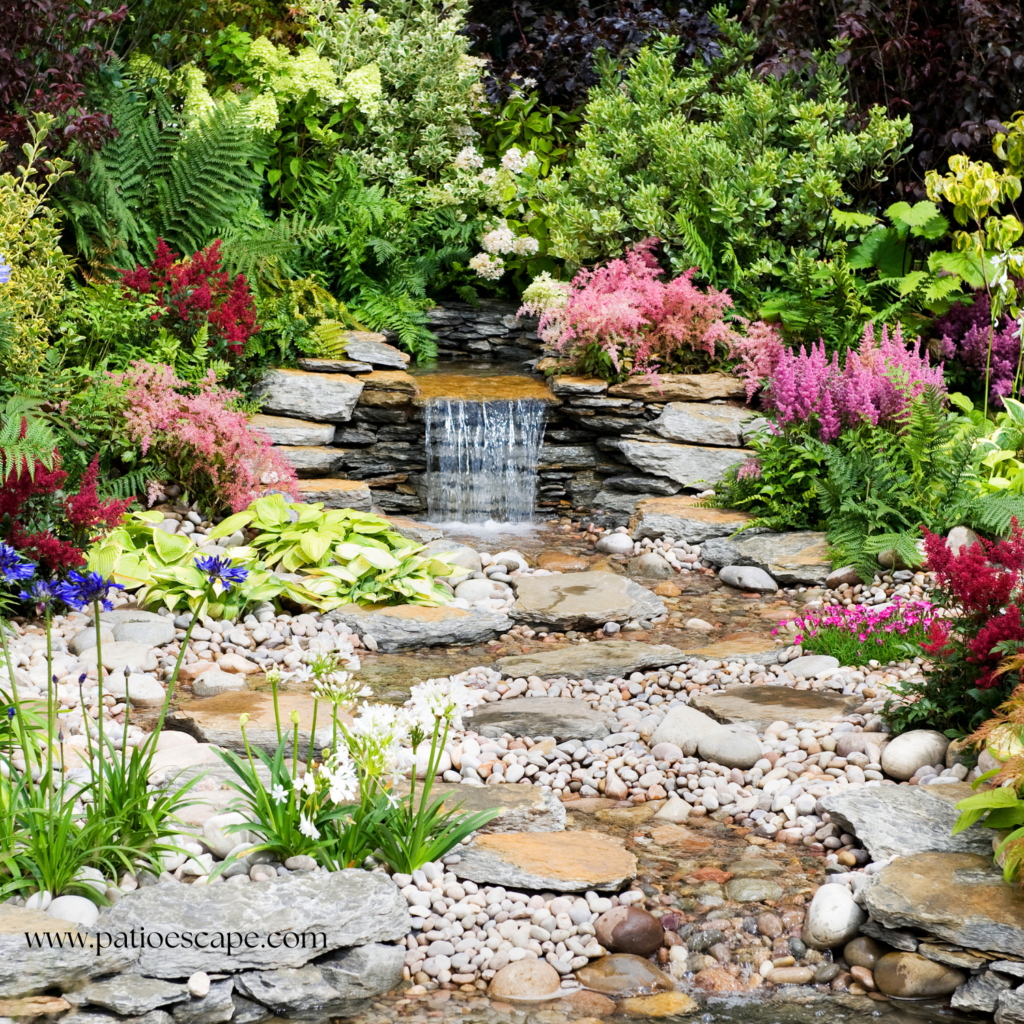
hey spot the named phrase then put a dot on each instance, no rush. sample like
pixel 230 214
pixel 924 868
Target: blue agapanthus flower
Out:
pixel 83 590
pixel 5 271
pixel 14 568
pixel 215 569
pixel 42 594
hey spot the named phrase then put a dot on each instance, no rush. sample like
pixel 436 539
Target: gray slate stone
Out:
pixel 404 627
pixel 344 908
pixel 248 1012
pixel 26 972
pixel 284 430
pixel 759 706
pixel 906 820
pixel 130 995
pixel 582 600
pixel 520 808
pixel 688 465
pixel 216 1006
pixel 328 397
pixel 365 971
pixel 367 347
pixel 792 559
pixel 617 501
pixel 153 634
pixel 747 577
pixel 293 990
pixel 1011 1008
pixel 565 718
pixel 312 460
pixel 591 661
pixel 703 423
pixel 642 485
pixel 334 366
pixel 1012 967
pixel 980 994
pixel 96 1017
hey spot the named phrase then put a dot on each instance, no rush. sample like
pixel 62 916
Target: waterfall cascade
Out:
pixel 482 459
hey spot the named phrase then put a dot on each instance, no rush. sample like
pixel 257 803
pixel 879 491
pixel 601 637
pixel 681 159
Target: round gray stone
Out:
pixel 730 749
pixel 811 665
pixel 155 634
pixel 748 577
pixel 753 890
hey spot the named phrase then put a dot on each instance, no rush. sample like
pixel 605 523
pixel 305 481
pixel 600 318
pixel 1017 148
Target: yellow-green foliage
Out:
pixel 29 235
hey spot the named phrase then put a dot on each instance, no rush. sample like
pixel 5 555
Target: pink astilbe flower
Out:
pixel 876 384
pixel 206 444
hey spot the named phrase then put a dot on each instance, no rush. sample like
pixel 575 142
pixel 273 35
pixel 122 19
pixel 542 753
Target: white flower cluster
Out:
pixel 468 159
pixel 500 240
pixel 497 242
pixel 546 295
pixel 487 266
pixel 364 86
pixel 516 161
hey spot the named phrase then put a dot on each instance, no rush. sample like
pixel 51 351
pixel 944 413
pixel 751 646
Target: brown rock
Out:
pixel 864 952
pixel 525 981
pixel 480 389
pixel 33 1006
pixel 189 673
pixel 770 925
pixel 680 838
pixel 560 561
pixel 912 976
pixel 621 975
pixel 389 380
pixel 661 1004
pixel 667 589
pixel 864 977
pixel 716 979
pixel 593 1004
pixel 629 930
pixel 237 664
pixel 791 976
pixel 354 494
pixel 682 387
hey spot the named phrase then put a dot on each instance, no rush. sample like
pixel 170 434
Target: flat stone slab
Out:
pixel 25 972
pixel 565 718
pixel 390 380
pixel 958 897
pixel 759 649
pixel 406 626
pixel 566 386
pixel 520 808
pixel 704 423
pixel 905 820
pixel 335 366
pixel 313 460
pixel 328 397
pixel 422 533
pixel 215 720
pixel 591 661
pixel 354 494
pixel 285 430
pixel 344 908
pixel 481 389
pixel 552 861
pixel 370 347
pixel 792 559
pixel 681 518
pixel 687 464
pixel 586 599
pixel 759 706
pixel 682 387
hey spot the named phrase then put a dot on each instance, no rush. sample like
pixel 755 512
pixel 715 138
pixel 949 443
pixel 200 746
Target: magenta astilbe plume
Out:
pixel 876 385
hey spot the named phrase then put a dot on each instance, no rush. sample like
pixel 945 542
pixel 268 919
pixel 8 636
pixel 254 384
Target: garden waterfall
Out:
pixel 482 459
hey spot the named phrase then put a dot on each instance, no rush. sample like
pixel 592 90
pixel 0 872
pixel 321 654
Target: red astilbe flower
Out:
pixel 194 292
pixel 85 510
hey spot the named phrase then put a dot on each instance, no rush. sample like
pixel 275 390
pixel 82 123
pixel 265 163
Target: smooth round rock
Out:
pixel 811 665
pixel 864 951
pixel 199 985
pixel 912 976
pixel 651 566
pixel 87 638
pixel 153 633
pixel 479 590
pixel 748 577
pixel 731 749
pixel 770 925
pixel 615 544
pixel 621 975
pixel 913 750
pixel 76 909
pixel 661 1004
pixel 666 752
pixel 833 918
pixel 525 981
pixel 214 681
pixel 753 890
pixel 629 930
pixel 791 976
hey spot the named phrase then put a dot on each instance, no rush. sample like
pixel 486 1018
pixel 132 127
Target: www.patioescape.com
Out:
pixel 139 938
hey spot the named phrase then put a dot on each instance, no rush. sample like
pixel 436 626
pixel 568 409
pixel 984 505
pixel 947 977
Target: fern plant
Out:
pixel 26 437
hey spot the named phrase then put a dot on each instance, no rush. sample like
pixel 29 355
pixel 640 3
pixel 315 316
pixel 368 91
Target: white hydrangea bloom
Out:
pixel 468 159
pixel 516 161
pixel 488 175
pixel 487 266
pixel 264 118
pixel 364 86
pixel 499 240
pixel 527 245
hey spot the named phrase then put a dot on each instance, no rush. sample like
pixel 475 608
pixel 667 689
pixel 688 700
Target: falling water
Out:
pixel 482 459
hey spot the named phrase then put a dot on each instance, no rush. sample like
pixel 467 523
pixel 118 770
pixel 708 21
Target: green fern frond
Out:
pixel 25 437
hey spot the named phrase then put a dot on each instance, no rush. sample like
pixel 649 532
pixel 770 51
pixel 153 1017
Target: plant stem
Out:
pixel 17 708
pixel 277 712
pixel 99 683
pixel 154 736
pixel 312 734
pixel 50 716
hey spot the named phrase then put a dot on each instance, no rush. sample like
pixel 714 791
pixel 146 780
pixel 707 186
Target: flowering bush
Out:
pixel 875 385
pixel 982 587
pixel 861 633
pixel 48 525
pixel 622 320
pixel 202 439
pixel 194 293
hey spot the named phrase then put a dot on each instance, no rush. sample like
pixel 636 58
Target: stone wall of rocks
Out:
pixel 353 428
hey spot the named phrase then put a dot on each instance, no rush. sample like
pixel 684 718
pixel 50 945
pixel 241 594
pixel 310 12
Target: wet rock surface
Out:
pixel 583 599
pixel 563 718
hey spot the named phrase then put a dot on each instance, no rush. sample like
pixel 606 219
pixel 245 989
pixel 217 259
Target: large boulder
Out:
pixel 582 600
pixel 327 397
pixel 408 626
pixel 689 465
pixel 327 911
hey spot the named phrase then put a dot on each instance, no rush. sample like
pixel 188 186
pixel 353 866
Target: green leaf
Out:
pixel 852 219
pixel 170 546
pixel 315 545
pixel 916 216
pixel 230 525
pixel 912 281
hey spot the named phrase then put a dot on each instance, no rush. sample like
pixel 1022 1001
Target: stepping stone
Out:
pixel 679 517
pixel 388 380
pixel 313 460
pixel 578 385
pixel 334 366
pixel 555 861
pixel 406 626
pixel 369 347
pixel 215 720
pixel 792 559
pixel 958 897
pixel 759 706
pixel 591 661
pixel 329 397
pixel 354 494
pixel 582 600
pixel 703 423
pixel 904 820
pixel 520 808
pixel 682 387
pixel 565 718
pixel 458 386
pixel 751 648
pixel 119 654
pixel 688 464
pixel 285 430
